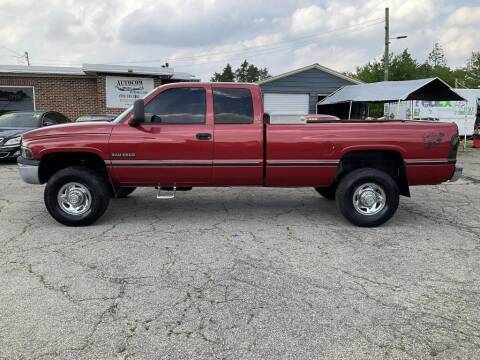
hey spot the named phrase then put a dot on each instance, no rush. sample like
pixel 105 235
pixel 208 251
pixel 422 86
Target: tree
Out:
pixel 403 67
pixel 263 74
pixel 226 75
pixel 472 71
pixel 241 74
pixel 436 58
pixel 371 72
pixel 244 73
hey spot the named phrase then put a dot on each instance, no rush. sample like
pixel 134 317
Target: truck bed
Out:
pixel 314 155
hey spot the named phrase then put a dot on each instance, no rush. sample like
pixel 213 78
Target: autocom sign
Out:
pixel 123 91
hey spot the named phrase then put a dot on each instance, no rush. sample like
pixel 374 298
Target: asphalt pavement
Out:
pixel 242 274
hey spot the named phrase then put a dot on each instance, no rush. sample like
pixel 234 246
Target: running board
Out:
pixel 169 194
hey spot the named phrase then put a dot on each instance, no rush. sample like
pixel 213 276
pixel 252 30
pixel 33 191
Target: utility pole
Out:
pixel 27 58
pixel 387 42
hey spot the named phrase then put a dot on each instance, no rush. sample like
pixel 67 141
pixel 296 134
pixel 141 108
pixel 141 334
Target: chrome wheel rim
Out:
pixel 369 199
pixel 74 198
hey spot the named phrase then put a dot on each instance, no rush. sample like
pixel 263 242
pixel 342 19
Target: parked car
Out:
pixel 185 135
pixel 14 124
pixel 98 117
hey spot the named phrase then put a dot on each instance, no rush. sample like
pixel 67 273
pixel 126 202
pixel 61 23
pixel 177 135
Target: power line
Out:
pixel 305 41
pixel 267 51
pixel 240 51
pixel 11 50
pixel 373 22
pixel 244 52
pixel 23 57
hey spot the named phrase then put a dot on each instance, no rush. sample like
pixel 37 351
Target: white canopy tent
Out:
pixel 433 89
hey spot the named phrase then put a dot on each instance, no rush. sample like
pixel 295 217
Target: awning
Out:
pixel 432 89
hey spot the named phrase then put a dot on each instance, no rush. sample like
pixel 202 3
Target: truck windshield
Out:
pixel 122 115
pixel 20 120
pixel 129 110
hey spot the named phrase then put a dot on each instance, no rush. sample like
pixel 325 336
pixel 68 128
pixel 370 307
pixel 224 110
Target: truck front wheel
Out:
pixel 76 196
pixel 367 197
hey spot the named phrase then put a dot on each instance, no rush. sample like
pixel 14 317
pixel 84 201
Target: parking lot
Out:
pixel 242 274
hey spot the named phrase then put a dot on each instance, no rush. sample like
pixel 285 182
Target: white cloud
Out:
pixel 285 34
pixel 464 16
pixel 460 34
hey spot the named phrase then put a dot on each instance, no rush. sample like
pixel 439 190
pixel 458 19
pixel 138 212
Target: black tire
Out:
pixel 123 192
pixel 96 185
pixel 353 181
pixel 327 192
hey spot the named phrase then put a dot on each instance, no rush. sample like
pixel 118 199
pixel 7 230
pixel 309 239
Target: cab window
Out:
pixel 178 106
pixel 232 106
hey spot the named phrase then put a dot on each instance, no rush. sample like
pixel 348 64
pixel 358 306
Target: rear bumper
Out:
pixel 28 170
pixel 457 174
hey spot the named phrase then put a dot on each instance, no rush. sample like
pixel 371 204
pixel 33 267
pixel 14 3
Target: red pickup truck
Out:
pixel 188 135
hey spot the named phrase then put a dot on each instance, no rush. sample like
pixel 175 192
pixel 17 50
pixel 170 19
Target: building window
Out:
pixel 16 98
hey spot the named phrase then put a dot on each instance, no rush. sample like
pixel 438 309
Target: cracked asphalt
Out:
pixel 242 274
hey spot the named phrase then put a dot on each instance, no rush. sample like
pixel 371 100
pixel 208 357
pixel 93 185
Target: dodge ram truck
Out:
pixel 185 135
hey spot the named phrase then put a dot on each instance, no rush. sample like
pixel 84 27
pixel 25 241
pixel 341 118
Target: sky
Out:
pixel 201 36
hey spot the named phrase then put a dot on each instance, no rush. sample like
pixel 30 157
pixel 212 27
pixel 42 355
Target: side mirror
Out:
pixel 138 112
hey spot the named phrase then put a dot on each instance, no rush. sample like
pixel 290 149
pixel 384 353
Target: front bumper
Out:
pixel 28 170
pixel 457 174
pixel 9 152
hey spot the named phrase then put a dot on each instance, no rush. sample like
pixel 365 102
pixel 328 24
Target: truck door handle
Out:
pixel 204 136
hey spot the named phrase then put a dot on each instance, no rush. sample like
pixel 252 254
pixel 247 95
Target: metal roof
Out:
pixel 88 69
pixel 432 89
pixel 43 70
pixel 309 67
pixel 130 69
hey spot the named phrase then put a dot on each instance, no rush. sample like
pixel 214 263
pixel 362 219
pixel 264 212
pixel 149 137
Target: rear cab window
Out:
pixel 232 106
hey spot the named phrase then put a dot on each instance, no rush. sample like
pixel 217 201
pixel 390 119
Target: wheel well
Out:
pixel 52 163
pixel 388 161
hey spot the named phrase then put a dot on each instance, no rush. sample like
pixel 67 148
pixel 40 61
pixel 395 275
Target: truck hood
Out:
pixel 70 129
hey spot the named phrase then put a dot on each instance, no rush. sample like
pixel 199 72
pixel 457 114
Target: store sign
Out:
pixel 121 92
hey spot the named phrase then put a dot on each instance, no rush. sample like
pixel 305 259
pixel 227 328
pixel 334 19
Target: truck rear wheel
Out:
pixel 367 197
pixel 76 196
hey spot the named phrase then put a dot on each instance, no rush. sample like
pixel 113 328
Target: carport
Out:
pixel 356 96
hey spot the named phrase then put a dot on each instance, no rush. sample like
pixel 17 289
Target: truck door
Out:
pixel 238 133
pixel 176 148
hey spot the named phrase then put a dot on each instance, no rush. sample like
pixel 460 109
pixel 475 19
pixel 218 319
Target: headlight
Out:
pixel 13 141
pixel 26 153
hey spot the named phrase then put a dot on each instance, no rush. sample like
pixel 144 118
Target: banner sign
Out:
pixel 121 92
